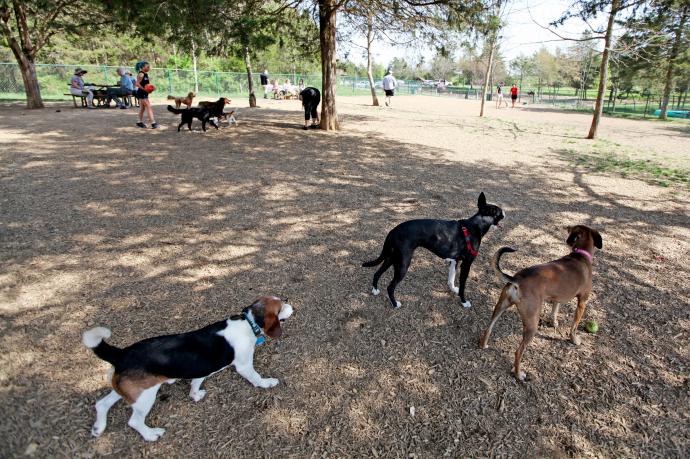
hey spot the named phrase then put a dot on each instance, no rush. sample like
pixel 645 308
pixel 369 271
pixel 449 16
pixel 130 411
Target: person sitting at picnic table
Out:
pixel 125 89
pixel 276 89
pixel 77 87
pixel 288 89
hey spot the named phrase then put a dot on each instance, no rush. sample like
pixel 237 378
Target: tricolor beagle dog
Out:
pixel 141 368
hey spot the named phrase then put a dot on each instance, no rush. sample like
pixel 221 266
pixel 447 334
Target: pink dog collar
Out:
pixel 586 254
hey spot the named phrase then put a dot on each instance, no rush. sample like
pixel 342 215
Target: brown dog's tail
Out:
pixel 497 259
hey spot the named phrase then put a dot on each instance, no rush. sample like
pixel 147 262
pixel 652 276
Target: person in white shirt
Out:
pixel 389 85
pixel 78 88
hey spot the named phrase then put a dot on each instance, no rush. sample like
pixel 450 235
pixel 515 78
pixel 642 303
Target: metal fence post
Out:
pixel 217 84
pixel 167 73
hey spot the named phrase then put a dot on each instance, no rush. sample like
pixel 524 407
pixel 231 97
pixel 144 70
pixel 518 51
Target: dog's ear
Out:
pixel 597 238
pixel 272 325
pixel 481 202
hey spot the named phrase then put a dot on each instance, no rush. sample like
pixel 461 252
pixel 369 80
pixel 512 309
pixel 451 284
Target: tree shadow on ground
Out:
pixel 153 232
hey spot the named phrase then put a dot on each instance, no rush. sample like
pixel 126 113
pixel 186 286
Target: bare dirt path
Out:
pixel 153 232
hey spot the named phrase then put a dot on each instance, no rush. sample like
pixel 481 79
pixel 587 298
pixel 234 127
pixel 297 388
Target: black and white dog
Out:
pixel 452 240
pixel 140 369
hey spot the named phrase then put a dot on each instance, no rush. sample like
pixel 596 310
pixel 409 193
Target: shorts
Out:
pixel 389 92
pixel 141 94
pixel 513 96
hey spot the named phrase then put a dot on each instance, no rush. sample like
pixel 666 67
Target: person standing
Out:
pixel 499 97
pixel 264 82
pixel 389 85
pixel 311 97
pixel 514 94
pixel 77 87
pixel 142 69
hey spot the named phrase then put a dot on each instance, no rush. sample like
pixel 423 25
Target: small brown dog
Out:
pixel 556 282
pixel 214 105
pixel 183 100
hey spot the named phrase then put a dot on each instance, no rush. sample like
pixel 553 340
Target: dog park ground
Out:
pixel 154 232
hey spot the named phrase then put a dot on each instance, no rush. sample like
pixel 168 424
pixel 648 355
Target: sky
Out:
pixel 521 35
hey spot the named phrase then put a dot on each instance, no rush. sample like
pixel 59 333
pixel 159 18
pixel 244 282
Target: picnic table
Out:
pixel 100 95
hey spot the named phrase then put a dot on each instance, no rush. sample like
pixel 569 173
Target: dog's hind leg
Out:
pixel 400 268
pixel 140 409
pixel 180 125
pixel 451 276
pixel 377 275
pixel 579 312
pixel 530 324
pixel 102 408
pixel 504 302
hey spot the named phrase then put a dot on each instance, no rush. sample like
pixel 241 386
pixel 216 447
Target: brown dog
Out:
pixel 183 100
pixel 223 101
pixel 558 281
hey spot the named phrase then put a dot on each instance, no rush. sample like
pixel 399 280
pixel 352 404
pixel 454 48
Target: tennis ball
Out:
pixel 591 326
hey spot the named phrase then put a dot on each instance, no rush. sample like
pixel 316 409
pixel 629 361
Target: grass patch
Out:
pixel 609 163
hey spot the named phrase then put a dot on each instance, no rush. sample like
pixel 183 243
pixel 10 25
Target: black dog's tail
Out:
pixel 495 263
pixel 369 264
pixel 176 111
pixel 93 339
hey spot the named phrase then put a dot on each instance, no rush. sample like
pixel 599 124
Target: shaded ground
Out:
pixel 153 232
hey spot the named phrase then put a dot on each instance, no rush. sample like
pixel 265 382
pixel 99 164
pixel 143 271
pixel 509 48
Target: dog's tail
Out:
pixel 93 339
pixel 171 97
pixel 176 111
pixel 497 259
pixel 369 264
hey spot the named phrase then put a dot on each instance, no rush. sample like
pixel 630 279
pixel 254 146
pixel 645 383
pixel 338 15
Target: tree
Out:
pixel 437 15
pixel 523 66
pixel 27 27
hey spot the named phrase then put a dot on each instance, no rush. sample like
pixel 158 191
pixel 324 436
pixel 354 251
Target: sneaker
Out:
pixel 315 126
pixel 155 126
pixel 91 106
pixel 305 128
pixel 141 125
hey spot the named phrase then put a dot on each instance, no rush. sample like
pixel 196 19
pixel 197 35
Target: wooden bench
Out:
pixel 100 98
pixel 74 99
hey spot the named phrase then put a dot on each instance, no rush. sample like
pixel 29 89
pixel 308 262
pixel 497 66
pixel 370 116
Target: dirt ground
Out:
pixel 154 232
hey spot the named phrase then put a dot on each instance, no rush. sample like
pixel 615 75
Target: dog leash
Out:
pixel 472 252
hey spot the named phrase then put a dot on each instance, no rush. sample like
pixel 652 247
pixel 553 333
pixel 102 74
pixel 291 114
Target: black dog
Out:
pixel 452 240
pixel 188 114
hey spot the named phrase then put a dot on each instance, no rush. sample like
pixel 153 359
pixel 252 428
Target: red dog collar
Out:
pixel 472 252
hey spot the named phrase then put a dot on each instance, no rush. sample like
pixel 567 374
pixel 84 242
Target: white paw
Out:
pixel 267 383
pixel 375 291
pixel 153 434
pixel 466 304
pixel 521 376
pixel 575 339
pixel 453 289
pixel 171 381
pixel 198 395
pixel 97 430
pixel 397 304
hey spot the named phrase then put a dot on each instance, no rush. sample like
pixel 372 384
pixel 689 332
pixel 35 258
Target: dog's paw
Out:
pixel 267 383
pixel 375 291
pixel 454 289
pixel 575 339
pixel 466 304
pixel 520 376
pixel 397 304
pixel 153 434
pixel 198 395
pixel 97 430
pixel 171 381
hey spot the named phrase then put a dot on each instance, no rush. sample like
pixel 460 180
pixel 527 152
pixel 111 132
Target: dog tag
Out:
pixel 260 340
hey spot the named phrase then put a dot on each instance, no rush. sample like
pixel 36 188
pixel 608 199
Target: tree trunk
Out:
pixel 196 75
pixel 487 74
pixel 327 19
pixel 25 59
pixel 672 63
pixel 250 80
pixel 603 70
pixel 31 87
pixel 370 40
